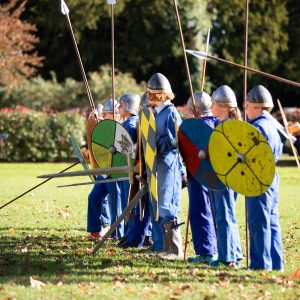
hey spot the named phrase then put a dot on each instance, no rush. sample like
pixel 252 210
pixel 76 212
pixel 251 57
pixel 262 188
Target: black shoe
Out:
pixel 148 241
pixel 121 241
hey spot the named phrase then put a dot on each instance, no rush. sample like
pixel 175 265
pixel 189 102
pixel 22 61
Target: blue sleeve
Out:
pixel 167 141
pixel 130 126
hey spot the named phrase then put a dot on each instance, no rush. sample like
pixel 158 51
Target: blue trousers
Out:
pixel 115 205
pixel 98 212
pixel 264 229
pixel 169 187
pixel 139 229
pixel 228 237
pixel 201 219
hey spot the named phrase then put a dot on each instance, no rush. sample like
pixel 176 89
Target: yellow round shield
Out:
pixel 241 157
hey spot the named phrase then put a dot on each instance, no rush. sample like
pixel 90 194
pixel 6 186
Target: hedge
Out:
pixel 36 136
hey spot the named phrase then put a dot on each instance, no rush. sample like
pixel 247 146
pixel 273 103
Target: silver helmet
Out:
pixel 202 103
pixel 224 95
pixel 111 106
pixel 259 94
pixel 132 103
pixel 143 102
pixel 158 83
pixel 99 108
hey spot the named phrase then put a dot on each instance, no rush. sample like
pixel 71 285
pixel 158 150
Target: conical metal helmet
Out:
pixel 202 103
pixel 111 106
pixel 158 83
pixel 132 103
pixel 259 94
pixel 224 95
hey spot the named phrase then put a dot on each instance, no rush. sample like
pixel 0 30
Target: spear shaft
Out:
pixel 33 188
pixel 202 55
pixel 285 122
pixel 113 57
pixel 204 62
pixel 65 11
pixel 184 54
pixel 245 116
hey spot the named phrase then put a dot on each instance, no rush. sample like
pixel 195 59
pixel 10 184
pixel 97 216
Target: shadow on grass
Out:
pixel 62 257
pixel 55 258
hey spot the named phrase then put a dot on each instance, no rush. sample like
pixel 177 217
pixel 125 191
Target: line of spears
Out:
pixel 234 154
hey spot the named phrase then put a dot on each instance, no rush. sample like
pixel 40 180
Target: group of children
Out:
pixel 213 220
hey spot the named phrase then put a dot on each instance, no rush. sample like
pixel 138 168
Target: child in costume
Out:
pixel 224 106
pixel 101 204
pixel 201 216
pixel 262 211
pixel 136 232
pixel 167 119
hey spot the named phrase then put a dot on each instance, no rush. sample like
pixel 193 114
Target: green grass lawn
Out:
pixel 43 237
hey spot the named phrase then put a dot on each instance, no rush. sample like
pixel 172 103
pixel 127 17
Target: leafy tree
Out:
pixel 289 61
pixel 146 37
pixel 267 39
pixel 18 58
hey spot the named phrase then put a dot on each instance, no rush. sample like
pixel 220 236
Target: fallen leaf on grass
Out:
pixel 36 283
pixel 268 294
pixel 83 287
pixel 289 284
pixel 111 251
pixel 24 250
pixel 179 292
pixel 118 284
pixel 182 288
pixel 64 214
pixel 11 230
pixel 295 275
pixel 59 283
pixel 89 250
pixel 193 272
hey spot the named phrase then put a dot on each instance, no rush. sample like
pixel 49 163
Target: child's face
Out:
pixel 253 110
pixel 219 110
pixel 107 116
pixel 122 109
pixel 154 100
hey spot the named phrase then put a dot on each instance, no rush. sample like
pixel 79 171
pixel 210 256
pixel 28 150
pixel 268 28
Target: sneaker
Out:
pixel 222 264
pixel 205 259
pixel 150 251
pixel 148 241
pixel 122 241
pixel 94 236
pixel 104 230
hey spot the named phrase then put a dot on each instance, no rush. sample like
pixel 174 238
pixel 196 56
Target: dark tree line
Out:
pixel 147 40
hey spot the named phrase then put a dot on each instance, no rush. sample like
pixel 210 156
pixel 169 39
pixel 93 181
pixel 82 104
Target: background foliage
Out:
pixel 41 94
pixel 147 40
pixel 33 136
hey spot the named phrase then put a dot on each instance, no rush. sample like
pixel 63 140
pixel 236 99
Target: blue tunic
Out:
pixel 137 230
pixel 131 126
pixel 262 211
pixel 169 166
pixel 228 237
pixel 201 217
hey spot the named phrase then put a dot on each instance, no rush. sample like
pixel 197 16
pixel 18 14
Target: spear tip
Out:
pixel 112 2
pixel 198 54
pixel 64 8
